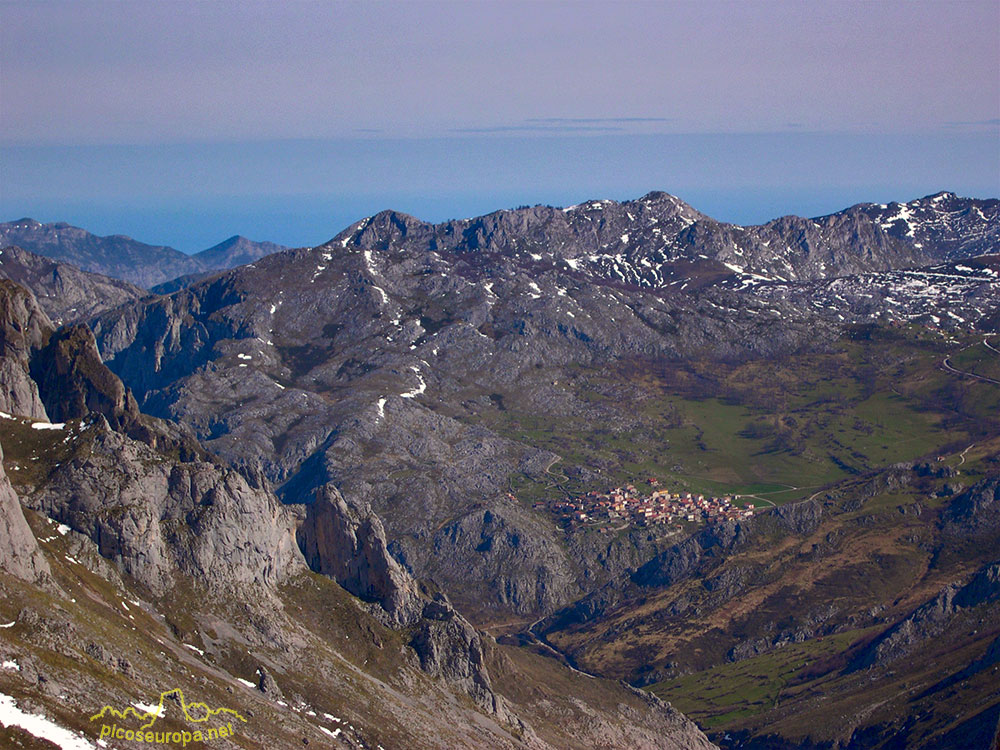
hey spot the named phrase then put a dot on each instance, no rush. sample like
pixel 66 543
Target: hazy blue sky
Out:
pixel 184 122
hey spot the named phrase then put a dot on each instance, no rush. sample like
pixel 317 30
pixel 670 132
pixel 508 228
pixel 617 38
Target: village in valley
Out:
pixel 624 506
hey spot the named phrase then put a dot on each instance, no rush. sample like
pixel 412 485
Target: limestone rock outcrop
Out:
pixel 23 327
pixel 348 545
pixel 19 552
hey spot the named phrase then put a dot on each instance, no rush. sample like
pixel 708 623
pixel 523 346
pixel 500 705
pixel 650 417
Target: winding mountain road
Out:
pixel 946 364
pixel 962 454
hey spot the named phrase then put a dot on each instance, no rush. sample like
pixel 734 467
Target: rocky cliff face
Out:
pixel 153 515
pixel 157 519
pixel 19 552
pixel 75 383
pixel 929 620
pixel 64 292
pixel 23 328
pixel 63 371
pixel 349 546
pixel 973 513
pixel 450 648
pixel 520 566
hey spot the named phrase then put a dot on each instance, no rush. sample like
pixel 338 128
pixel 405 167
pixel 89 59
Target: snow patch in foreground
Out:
pixel 40 726
pixel 150 709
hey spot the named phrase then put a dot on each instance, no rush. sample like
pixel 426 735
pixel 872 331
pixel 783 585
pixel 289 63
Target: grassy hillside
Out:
pixel 777 430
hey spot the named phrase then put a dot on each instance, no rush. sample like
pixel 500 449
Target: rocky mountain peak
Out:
pixel 236 239
pixel 667 204
pixel 25 223
pixel 234 251
pixel 381 231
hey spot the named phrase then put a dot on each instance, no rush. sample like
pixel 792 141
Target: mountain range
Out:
pixel 399 409
pixel 124 258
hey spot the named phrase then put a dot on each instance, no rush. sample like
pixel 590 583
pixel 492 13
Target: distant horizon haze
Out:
pixel 185 122
pixel 192 196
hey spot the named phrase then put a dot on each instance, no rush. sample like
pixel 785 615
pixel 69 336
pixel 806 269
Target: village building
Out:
pixel 624 505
